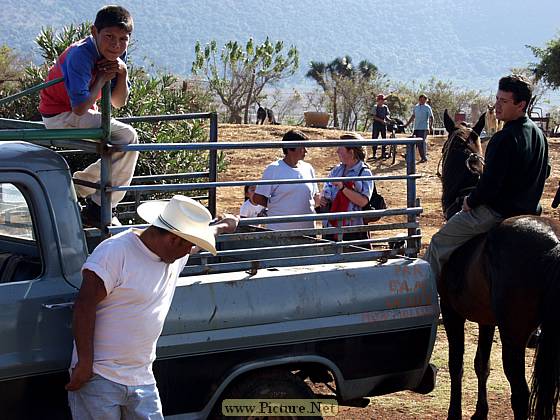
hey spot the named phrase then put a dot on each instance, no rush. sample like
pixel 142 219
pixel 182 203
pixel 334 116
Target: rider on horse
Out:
pixel 512 183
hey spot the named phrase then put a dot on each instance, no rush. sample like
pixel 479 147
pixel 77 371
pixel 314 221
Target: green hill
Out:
pixel 470 42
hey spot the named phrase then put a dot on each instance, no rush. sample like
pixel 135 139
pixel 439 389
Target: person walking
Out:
pixel 423 119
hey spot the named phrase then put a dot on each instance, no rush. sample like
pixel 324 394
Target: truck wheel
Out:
pixel 270 384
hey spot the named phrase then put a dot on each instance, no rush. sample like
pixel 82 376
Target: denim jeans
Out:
pixel 457 231
pixel 422 147
pixel 102 399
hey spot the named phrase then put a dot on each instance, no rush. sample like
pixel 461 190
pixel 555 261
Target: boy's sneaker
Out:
pixel 91 215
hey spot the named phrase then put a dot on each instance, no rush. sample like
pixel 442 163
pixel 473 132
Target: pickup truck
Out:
pixel 365 327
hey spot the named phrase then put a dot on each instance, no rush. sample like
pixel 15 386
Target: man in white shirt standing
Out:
pixel 127 288
pixel 423 118
pixel 289 199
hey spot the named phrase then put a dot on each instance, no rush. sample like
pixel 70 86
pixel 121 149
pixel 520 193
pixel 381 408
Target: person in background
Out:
pixel 249 209
pixel 289 199
pixel 380 116
pixel 349 195
pixel 423 118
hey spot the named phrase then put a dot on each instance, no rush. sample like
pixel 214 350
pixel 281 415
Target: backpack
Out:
pixel 376 202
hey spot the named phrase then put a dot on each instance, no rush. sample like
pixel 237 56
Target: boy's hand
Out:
pixel 108 69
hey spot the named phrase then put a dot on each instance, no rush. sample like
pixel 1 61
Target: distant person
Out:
pixel 86 66
pixel 423 118
pixel 350 195
pixel 249 209
pixel 289 199
pixel 380 119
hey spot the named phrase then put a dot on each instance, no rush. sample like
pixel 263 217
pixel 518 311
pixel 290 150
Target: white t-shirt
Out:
pixel 249 209
pixel 289 199
pixel 130 319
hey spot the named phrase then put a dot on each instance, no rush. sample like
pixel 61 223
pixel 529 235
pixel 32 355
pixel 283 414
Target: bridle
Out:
pixel 471 154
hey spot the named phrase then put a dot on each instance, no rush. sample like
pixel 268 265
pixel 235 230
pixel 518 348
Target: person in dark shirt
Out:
pixel 513 179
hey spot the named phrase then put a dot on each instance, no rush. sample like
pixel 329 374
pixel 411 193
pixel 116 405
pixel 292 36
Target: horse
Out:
pixel 509 278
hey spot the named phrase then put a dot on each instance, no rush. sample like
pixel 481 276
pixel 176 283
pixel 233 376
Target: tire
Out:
pixel 269 384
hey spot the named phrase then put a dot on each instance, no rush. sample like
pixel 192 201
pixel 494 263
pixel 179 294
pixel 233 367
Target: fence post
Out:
pixel 106 170
pixel 411 193
pixel 213 163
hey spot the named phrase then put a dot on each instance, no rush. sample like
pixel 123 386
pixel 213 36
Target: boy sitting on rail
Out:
pixel 86 66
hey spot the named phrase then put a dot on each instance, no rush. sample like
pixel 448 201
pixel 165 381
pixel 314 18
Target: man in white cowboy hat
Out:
pixel 128 284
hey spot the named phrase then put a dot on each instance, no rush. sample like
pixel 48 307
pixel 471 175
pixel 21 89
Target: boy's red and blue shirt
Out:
pixel 77 65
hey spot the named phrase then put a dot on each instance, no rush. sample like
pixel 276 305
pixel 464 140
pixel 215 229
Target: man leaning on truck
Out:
pixel 128 284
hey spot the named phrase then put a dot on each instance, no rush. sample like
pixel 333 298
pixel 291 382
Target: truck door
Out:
pixel 35 302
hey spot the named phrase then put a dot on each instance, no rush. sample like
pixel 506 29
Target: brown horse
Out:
pixel 509 278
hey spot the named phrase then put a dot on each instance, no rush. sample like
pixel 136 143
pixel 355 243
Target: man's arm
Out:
pixel 410 120
pixel 500 153
pixel 227 224
pixel 91 293
pixel 260 199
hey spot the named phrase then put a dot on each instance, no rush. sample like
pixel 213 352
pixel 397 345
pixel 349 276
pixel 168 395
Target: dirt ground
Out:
pixel 249 164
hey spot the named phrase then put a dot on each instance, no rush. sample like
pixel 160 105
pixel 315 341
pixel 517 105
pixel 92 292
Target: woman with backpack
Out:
pixel 351 195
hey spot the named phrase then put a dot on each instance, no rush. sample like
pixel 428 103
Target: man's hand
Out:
pixel 80 375
pixel 466 206
pixel 226 224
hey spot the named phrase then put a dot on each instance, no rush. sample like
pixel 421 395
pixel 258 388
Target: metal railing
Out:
pixel 296 247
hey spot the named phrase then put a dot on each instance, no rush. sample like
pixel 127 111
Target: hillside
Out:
pixel 471 43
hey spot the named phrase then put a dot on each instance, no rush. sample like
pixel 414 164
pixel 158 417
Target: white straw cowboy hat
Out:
pixel 183 217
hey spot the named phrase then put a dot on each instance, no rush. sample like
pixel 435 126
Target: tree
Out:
pixel 548 69
pixel 11 68
pixel 352 87
pixel 445 95
pixel 238 74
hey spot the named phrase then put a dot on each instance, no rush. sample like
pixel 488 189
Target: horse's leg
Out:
pixel 513 357
pixel 482 369
pixel 455 328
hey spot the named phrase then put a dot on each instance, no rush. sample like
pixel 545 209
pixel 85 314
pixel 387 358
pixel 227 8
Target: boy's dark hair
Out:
pixel 113 15
pixel 519 86
pixel 293 135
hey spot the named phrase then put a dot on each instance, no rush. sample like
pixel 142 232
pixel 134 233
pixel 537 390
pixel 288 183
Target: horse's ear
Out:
pixel 480 124
pixel 448 122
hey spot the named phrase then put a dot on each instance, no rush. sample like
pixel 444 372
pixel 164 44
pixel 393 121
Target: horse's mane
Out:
pixel 455 176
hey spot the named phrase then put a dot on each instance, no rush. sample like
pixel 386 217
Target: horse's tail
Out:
pixel 545 384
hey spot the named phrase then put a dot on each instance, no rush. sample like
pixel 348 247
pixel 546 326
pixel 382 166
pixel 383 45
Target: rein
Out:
pixel 471 156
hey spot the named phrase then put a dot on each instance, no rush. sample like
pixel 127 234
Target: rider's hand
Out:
pixel 466 206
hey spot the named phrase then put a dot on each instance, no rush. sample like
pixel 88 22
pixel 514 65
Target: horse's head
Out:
pixel 462 162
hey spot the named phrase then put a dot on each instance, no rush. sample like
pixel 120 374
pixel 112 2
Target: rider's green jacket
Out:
pixel 516 167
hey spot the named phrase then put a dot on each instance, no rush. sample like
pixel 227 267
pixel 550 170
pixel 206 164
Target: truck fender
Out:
pixel 237 371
